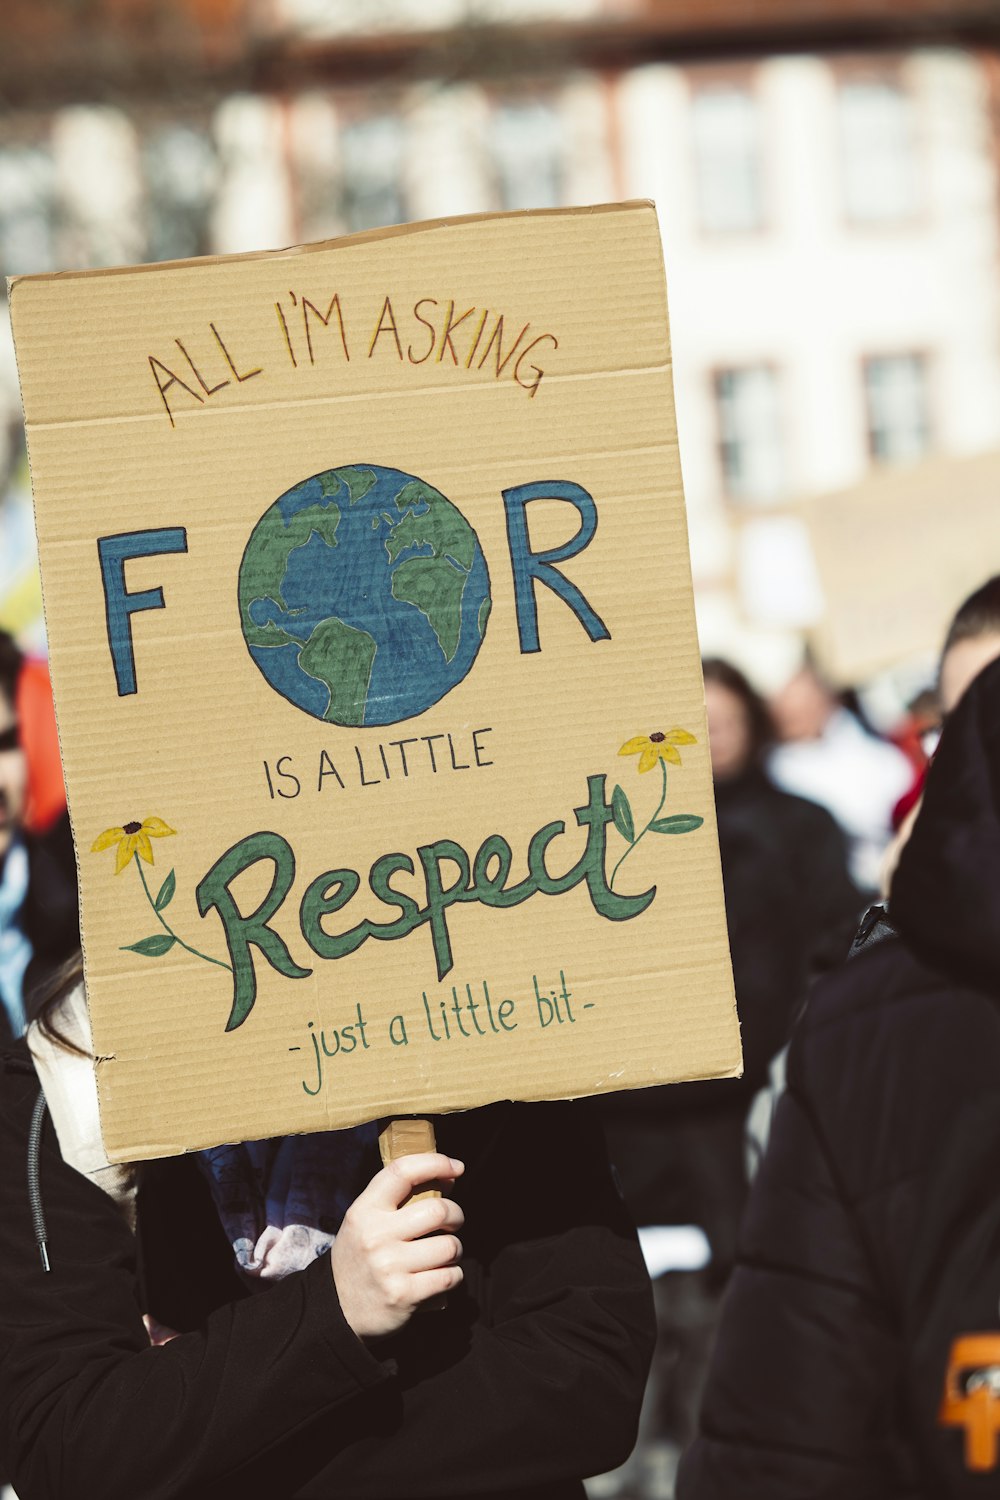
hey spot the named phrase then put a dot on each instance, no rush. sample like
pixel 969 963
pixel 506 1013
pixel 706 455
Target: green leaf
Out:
pixel 621 811
pixel 151 947
pixel 679 823
pixel 166 894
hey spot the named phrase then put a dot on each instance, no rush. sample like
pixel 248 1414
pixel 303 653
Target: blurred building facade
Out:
pixel 828 190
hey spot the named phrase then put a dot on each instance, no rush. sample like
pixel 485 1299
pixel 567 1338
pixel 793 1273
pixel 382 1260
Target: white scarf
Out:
pixel 70 1085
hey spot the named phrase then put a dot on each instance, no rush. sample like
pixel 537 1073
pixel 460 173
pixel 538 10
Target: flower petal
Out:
pixel 633 746
pixel 126 849
pixel 106 839
pixel 156 828
pixel 649 757
pixel 143 847
pixel 680 737
pixel 669 753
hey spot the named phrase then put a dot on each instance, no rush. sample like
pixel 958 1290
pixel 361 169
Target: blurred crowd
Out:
pixel 813 810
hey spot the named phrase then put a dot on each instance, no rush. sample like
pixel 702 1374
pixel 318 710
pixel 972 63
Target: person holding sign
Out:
pixel 859 1348
pixel 384 735
pixel 39 925
pixel 321 1362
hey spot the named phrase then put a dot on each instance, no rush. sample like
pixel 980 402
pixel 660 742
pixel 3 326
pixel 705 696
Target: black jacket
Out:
pixel 790 909
pixel 531 1377
pixel 872 1238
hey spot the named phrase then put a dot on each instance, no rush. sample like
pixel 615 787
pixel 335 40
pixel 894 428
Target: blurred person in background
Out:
pixel 972 642
pixel 826 754
pixel 917 732
pixel 791 910
pixel 859 1351
pixel 39 925
pixel 790 902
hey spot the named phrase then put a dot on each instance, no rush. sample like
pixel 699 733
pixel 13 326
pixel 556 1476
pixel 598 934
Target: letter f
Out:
pixel 119 604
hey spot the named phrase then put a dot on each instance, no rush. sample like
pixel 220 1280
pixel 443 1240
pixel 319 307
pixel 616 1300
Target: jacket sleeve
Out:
pixel 806 1365
pixel 88 1408
pixel 546 1381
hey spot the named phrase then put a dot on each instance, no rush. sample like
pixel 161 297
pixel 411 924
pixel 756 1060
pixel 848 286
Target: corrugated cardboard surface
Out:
pixel 896 555
pixel 207 745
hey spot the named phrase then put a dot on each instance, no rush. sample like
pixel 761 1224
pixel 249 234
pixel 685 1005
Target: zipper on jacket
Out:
pixel 34 1185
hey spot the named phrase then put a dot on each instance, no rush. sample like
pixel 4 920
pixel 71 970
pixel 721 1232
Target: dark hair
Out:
pixel 11 662
pixel 759 721
pixel 46 1003
pixel 978 616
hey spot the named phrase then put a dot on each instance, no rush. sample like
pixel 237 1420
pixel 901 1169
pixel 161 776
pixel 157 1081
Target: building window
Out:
pixel 527 145
pixel 727 159
pixel 750 437
pixel 28 210
pixel 878 150
pixel 896 402
pixel 181 172
pixel 372 167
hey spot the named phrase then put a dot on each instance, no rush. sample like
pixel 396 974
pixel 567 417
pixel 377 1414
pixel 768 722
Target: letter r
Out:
pixel 530 567
pixel 119 604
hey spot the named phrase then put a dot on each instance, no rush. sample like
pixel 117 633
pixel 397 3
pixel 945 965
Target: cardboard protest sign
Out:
pixel 370 613
pixel 896 555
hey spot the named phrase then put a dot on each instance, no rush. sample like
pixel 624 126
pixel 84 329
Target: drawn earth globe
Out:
pixel 364 595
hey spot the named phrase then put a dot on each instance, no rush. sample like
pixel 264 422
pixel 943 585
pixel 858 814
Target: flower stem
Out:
pixel 633 845
pixel 170 930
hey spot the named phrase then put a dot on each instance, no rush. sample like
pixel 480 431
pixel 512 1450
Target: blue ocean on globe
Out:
pixel 364 595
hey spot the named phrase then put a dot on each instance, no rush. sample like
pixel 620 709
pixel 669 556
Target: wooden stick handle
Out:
pixel 406 1137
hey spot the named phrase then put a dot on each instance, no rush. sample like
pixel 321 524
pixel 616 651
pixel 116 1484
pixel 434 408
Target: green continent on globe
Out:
pixel 265 562
pixel 434 586
pixel 357 482
pixel 341 658
pixel 441 527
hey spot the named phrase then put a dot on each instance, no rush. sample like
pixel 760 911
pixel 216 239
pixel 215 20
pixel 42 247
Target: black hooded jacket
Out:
pixel 530 1377
pixel 872 1238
